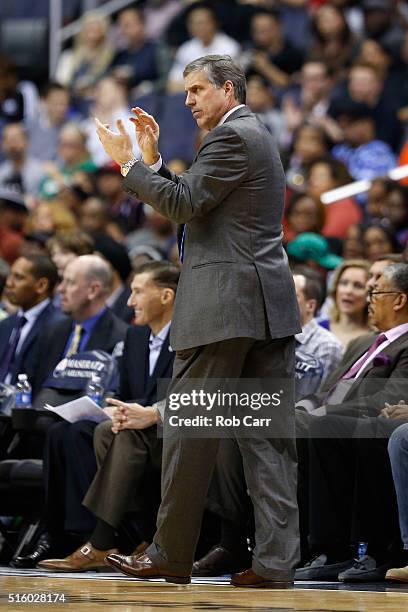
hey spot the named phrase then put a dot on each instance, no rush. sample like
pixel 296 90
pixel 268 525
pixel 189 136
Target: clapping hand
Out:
pixel 147 134
pixel 118 146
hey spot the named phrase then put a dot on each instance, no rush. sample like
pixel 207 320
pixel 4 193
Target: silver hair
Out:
pixel 397 274
pixel 220 68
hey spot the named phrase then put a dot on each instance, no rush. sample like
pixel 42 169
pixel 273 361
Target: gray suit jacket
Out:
pixel 385 379
pixel 235 281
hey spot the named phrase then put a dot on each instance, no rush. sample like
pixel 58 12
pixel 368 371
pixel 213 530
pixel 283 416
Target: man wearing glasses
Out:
pixel 351 491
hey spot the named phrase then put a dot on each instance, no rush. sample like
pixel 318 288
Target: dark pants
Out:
pixel 269 463
pixel 69 467
pixel 351 490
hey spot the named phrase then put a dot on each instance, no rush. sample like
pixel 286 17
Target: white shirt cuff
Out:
pixel 156 167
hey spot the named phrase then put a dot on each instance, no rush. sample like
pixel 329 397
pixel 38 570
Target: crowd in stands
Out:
pixel 86 268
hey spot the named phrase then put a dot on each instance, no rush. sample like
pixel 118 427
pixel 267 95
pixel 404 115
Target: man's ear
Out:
pixel 167 296
pixel 402 301
pixel 42 285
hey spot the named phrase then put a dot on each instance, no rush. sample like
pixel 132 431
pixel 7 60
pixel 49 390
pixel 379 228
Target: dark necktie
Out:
pixel 363 360
pixel 182 241
pixel 338 392
pixel 8 359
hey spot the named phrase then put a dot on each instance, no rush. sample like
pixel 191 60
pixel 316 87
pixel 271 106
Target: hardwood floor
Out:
pixel 82 593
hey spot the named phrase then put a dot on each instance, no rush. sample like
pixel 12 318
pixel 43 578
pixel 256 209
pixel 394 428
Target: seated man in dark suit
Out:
pixel 90 325
pixel 70 461
pixel 30 285
pixel 350 488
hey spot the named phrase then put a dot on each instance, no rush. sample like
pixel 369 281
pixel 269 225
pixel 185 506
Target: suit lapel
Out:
pixel 391 351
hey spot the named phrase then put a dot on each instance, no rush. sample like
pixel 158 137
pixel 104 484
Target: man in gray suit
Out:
pixel 235 315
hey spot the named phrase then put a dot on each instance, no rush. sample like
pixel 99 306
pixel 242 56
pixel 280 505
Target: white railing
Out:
pixel 357 187
pixel 60 34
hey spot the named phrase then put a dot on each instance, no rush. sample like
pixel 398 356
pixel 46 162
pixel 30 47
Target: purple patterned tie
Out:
pixel 363 360
pixel 11 351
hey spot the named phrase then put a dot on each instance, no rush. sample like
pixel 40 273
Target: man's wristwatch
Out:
pixel 124 168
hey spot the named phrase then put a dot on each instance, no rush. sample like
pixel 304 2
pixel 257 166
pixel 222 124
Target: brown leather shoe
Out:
pixel 83 559
pixel 219 561
pixel 141 566
pixel 249 579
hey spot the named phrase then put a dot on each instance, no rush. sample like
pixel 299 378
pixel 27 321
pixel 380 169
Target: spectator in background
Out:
pixel 67 245
pixel 18 99
pixel 13 216
pixel 19 171
pixel 310 143
pixel 142 65
pixel 50 217
pixel 205 39
pixel 378 240
pixel 118 258
pixel 376 198
pixel 111 104
pixel 261 101
pixel 309 100
pixel 314 251
pixel 158 15
pixel 353 247
pixel 44 129
pixel 81 67
pixel 349 314
pixel 271 55
pixel 318 351
pixel 380 22
pixel 365 156
pixel 95 218
pixel 366 85
pixel 303 214
pixel 395 210
pixel 323 175
pixel 125 210
pixel 73 158
pixel 332 41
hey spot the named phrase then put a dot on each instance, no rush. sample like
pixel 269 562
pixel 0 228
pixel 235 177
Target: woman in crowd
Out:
pixel 81 68
pixel 349 312
pixel 303 214
pixel 325 174
pixel 332 39
pixel 378 240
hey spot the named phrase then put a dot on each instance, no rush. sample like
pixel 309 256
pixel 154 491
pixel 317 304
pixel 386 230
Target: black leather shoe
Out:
pixel 43 549
pixel 219 561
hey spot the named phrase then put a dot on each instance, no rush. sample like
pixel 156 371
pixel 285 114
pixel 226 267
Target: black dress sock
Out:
pixel 233 537
pixel 104 536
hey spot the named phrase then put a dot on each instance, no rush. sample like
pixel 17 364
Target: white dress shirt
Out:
pixel 155 346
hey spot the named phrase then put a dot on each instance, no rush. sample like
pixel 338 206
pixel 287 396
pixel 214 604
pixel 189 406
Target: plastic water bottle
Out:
pixel 95 390
pixel 23 392
pixel 361 549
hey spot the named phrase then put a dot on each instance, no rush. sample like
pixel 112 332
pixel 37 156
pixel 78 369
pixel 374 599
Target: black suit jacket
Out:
pixel 385 379
pixel 108 331
pixel 135 382
pixel 28 356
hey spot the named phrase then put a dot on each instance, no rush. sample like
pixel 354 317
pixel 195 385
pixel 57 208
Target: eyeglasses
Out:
pixel 371 293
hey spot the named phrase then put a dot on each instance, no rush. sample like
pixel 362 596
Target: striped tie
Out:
pixel 76 339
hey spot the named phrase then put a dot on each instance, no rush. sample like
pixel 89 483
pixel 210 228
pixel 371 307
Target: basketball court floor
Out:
pixel 36 589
